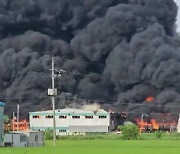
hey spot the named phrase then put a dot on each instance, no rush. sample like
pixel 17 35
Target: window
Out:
pixel 22 138
pixel 102 117
pixel 76 117
pixel 89 117
pixel 36 117
pixel 36 138
pixel 49 117
pixel 62 130
pixel 62 117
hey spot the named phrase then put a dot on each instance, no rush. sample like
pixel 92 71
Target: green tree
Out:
pixel 6 119
pixel 129 131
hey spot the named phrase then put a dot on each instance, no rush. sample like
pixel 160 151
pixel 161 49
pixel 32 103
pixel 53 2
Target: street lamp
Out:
pixel 142 116
pixel 142 120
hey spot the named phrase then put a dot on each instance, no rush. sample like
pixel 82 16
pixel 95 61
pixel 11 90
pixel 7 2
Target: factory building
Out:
pixel 1 123
pixel 70 121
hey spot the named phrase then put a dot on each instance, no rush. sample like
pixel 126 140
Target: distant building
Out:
pixel 71 121
pixel 178 125
pixel 1 123
pixel 24 139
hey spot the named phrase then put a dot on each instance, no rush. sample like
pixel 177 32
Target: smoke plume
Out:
pixel 93 107
pixel 116 51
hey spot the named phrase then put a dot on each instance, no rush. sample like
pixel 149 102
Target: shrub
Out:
pixel 6 119
pixel 129 131
pixel 159 134
pixel 48 134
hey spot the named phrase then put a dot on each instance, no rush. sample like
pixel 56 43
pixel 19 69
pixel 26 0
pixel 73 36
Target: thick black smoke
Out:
pixel 120 51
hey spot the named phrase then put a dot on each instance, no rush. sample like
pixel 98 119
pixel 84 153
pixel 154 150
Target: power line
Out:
pixel 85 62
pixel 154 113
pixel 149 104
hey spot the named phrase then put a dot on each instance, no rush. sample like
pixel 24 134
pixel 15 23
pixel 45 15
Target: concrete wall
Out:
pixel 88 129
pixel 1 124
pixel 36 139
pixel 30 139
pixel 15 140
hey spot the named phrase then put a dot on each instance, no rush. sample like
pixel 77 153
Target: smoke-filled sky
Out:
pixel 122 51
pixel 178 17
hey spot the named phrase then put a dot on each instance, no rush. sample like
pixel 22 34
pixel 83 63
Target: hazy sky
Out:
pixel 178 18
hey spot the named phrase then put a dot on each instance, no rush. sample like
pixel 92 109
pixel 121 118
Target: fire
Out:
pixel 149 99
pixel 154 125
pixel 22 125
pixel 142 125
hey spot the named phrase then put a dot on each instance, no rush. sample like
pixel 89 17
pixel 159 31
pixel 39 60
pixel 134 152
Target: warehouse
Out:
pixel 1 123
pixel 71 121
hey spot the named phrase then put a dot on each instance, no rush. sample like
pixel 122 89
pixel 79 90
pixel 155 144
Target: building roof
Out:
pixel 71 111
pixel 2 104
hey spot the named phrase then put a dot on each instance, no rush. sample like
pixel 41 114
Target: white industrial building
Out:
pixel 1 123
pixel 24 139
pixel 70 121
pixel 178 125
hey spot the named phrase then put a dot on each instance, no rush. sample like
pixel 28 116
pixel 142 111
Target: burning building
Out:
pixel 151 123
pixel 14 125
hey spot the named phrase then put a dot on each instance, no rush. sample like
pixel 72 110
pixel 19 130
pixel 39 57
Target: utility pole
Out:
pixel 53 104
pixel 53 92
pixel 18 117
pixel 13 121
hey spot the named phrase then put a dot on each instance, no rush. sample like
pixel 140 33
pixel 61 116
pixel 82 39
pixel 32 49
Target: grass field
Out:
pixel 101 147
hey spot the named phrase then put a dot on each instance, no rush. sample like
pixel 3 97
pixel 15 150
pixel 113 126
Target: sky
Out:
pixel 178 17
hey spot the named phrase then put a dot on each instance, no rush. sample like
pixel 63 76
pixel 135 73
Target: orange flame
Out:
pixel 155 125
pixel 21 125
pixel 149 99
pixel 143 125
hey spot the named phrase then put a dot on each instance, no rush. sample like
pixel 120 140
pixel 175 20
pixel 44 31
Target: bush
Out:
pixel 159 134
pixel 129 131
pixel 48 134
